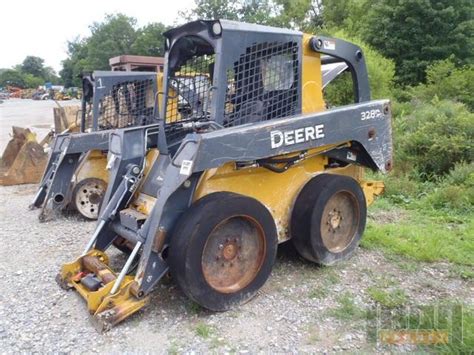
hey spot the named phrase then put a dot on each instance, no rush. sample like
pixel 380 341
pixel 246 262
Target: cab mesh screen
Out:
pixel 130 103
pixel 262 84
pixel 189 89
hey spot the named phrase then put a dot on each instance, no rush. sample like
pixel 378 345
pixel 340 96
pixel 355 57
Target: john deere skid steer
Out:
pixel 76 175
pixel 248 159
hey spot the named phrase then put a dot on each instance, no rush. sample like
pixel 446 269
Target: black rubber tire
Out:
pixel 308 212
pixel 189 239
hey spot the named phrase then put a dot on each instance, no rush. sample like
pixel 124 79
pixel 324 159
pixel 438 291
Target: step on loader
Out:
pixel 250 158
pixel 75 175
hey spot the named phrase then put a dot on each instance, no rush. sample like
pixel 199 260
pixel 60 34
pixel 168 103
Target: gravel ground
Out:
pixel 294 312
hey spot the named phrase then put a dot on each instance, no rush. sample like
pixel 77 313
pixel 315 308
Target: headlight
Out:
pixel 216 28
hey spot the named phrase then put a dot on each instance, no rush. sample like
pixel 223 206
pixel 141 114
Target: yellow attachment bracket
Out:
pixel 106 309
pixel 372 189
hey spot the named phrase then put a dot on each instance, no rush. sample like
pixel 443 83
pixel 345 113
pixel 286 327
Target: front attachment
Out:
pixel 91 276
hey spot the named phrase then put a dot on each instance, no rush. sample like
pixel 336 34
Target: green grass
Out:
pixel 390 299
pixel 203 330
pixel 424 235
pixel 318 293
pixel 347 309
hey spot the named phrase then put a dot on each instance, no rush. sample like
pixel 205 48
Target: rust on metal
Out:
pixel 233 254
pixel 159 240
pixel 340 221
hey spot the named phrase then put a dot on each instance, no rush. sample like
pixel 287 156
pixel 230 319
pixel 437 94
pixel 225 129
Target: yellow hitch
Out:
pixel 106 309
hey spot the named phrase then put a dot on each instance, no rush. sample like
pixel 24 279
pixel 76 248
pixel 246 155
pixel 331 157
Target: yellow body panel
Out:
pixel 93 166
pixel 312 79
pixel 278 191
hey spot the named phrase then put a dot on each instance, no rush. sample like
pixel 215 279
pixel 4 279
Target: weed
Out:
pixel 204 330
pixel 390 299
pixel 193 307
pixel 347 309
pixel 318 293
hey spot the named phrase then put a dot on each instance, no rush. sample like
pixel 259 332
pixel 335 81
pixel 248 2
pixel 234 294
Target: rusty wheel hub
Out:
pixel 233 254
pixel 89 197
pixel 340 221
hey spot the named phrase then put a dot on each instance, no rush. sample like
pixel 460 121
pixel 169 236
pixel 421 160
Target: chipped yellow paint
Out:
pixel 312 79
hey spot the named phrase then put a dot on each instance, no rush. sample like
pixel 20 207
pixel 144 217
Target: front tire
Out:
pixel 223 250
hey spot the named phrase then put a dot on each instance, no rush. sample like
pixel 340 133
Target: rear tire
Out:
pixel 223 249
pixel 328 218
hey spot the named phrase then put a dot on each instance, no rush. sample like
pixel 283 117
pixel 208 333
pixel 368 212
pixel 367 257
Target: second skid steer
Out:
pixel 76 175
pixel 248 159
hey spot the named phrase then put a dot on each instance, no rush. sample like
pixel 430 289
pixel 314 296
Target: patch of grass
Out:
pixel 390 299
pixel 320 292
pixel 193 307
pixel 426 235
pixel 204 331
pixel 347 309
pixel 462 271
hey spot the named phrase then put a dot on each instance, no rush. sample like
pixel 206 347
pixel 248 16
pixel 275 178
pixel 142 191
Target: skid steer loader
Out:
pixel 250 159
pixel 76 175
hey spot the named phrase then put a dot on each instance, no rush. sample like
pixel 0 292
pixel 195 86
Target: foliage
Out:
pixel 12 77
pixel 388 298
pixel 446 81
pixel 346 15
pixel 415 33
pixel 31 73
pixel 434 137
pixel 117 35
pixel 149 40
pixel 381 75
pixel 424 234
pixel 34 66
pixel 300 14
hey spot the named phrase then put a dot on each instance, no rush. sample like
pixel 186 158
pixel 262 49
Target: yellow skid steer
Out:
pixel 245 158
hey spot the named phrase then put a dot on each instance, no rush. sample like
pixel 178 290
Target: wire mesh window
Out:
pixel 263 84
pixel 130 103
pixel 190 89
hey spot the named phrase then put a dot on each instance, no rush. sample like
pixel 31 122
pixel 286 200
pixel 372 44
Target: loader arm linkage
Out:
pixel 55 186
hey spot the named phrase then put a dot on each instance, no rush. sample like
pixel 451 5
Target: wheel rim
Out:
pixel 340 221
pixel 88 198
pixel 233 254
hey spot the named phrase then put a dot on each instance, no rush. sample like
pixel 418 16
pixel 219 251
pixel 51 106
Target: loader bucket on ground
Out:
pixel 23 160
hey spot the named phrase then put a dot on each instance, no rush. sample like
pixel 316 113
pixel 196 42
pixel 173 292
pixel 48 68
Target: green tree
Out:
pixel 12 77
pixel 34 66
pixel 415 33
pixel 150 40
pixel 445 81
pixel 115 36
pixel 213 9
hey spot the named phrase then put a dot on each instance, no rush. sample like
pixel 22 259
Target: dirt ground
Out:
pixel 302 308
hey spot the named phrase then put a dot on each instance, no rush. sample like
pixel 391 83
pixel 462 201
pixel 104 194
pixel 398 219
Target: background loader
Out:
pixel 75 175
pixel 255 159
